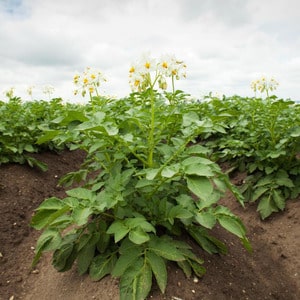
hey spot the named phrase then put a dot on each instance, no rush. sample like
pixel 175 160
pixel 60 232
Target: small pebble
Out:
pixel 196 280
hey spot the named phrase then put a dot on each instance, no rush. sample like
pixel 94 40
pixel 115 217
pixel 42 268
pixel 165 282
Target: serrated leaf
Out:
pixel 159 270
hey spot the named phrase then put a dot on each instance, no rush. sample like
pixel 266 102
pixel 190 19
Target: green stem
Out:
pixel 151 132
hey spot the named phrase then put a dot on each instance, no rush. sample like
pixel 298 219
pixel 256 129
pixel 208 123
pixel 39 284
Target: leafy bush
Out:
pixel 262 138
pixel 150 183
pixel 22 123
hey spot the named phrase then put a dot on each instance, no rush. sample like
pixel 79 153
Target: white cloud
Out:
pixel 225 44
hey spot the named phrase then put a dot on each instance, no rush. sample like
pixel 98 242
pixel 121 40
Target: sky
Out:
pixel 225 44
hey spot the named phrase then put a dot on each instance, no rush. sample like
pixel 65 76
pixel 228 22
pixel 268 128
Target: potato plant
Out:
pixel 147 183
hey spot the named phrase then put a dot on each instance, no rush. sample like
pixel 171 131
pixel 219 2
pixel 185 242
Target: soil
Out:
pixel 272 271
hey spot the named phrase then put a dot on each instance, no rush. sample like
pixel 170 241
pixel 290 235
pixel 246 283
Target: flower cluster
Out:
pixel 10 93
pixel 89 81
pixel 168 66
pixel 264 85
pixel 48 90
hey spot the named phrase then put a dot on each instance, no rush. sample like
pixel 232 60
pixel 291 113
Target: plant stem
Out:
pixel 151 133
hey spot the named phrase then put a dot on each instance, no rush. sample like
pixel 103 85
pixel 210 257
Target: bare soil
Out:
pixel 272 271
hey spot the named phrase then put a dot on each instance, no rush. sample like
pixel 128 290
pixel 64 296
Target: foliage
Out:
pixel 22 124
pixel 152 171
pixel 263 139
pixel 150 183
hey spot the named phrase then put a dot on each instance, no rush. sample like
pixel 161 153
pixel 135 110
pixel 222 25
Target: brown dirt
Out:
pixel 270 272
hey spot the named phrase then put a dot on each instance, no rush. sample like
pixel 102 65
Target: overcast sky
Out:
pixel 225 43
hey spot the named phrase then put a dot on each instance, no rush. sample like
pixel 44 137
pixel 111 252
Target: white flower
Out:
pixel 169 66
pixel 48 89
pixel 10 93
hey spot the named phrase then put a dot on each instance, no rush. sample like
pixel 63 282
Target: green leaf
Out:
pixel 119 229
pixel 128 281
pixel 200 170
pixel 185 267
pixel 206 219
pixel 143 283
pixel 232 224
pixel 139 222
pixel 170 171
pixel 49 240
pixel 125 260
pixel 258 192
pixel 48 136
pixel 64 257
pixel 197 268
pixel 102 265
pixel 151 173
pixel 84 258
pixel 159 269
pixel 165 248
pixel 285 182
pixel 295 132
pixel 44 218
pixel 34 162
pixel 138 236
pixel 200 186
pixel 52 203
pixel 81 215
pixel 278 199
pixel 179 212
pixel 196 160
pixel 266 207
pixel 80 193
pixel 207 242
